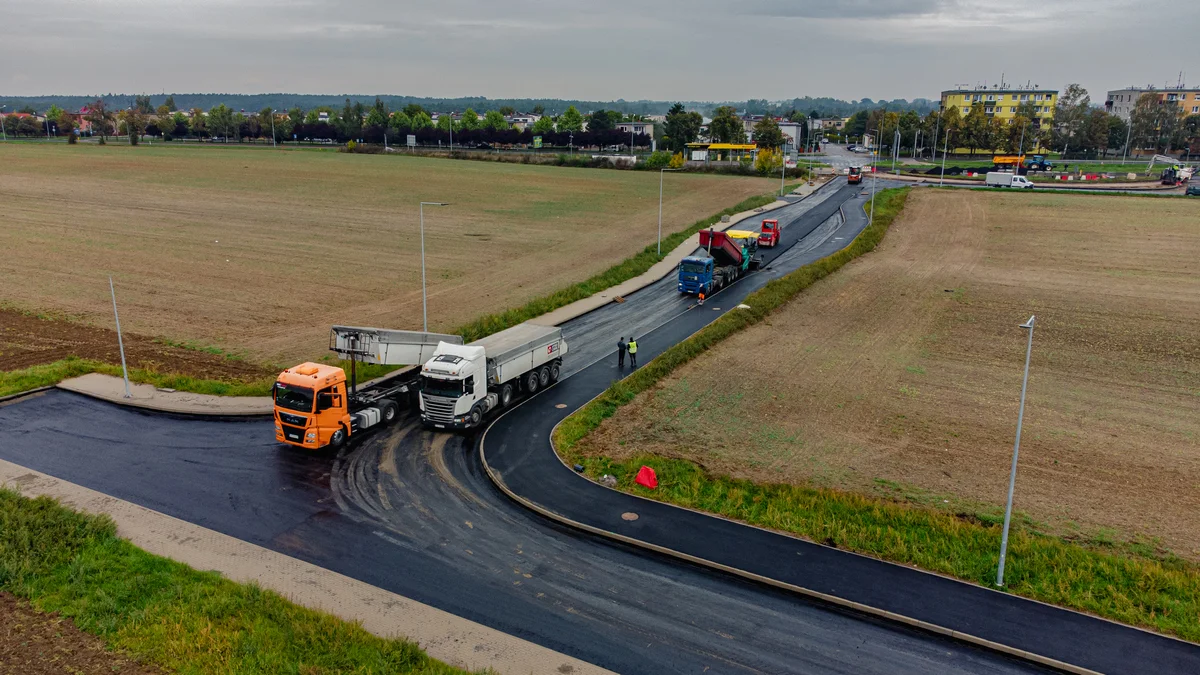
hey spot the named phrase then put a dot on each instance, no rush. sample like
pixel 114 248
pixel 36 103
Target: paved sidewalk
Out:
pixel 444 636
pixel 112 389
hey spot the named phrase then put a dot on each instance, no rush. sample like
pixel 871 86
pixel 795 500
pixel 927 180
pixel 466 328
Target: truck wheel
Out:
pixel 555 371
pixel 531 382
pixel 506 395
pixel 338 439
pixel 388 412
pixel 476 416
pixel 543 376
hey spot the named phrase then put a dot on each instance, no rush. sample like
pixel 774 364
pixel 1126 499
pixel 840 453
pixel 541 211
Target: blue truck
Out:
pixel 727 256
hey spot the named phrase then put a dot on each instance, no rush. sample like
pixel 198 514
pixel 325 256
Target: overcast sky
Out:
pixel 594 50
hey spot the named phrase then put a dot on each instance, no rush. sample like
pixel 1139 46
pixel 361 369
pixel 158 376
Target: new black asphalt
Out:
pixel 518 450
pixel 414 513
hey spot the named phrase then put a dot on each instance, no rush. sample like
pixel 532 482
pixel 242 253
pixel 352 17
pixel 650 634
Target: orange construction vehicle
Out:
pixel 854 177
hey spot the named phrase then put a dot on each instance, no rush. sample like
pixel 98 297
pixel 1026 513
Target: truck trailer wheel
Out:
pixel 531 382
pixel 555 371
pixel 506 394
pixel 543 376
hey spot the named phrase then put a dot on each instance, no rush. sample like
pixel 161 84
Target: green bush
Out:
pixel 658 160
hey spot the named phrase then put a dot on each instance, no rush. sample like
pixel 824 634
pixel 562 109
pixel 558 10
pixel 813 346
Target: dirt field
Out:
pixel 27 340
pixel 34 643
pixel 259 250
pixel 901 374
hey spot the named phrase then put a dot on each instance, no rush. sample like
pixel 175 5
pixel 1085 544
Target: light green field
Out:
pixel 259 251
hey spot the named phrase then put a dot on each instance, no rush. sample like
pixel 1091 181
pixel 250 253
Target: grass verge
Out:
pixel 621 272
pixel 761 302
pixel 1140 588
pixel 166 613
pixel 16 381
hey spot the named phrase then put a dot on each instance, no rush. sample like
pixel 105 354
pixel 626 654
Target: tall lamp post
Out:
pixel 273 111
pixel 660 200
pixel 3 131
pixel 1012 477
pixel 424 295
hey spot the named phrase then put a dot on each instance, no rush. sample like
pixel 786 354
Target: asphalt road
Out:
pixel 413 512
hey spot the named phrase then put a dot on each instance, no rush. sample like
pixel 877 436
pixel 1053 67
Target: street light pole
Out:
pixel 424 295
pixel 874 175
pixel 660 201
pixel 273 128
pixel 945 149
pixel 1012 477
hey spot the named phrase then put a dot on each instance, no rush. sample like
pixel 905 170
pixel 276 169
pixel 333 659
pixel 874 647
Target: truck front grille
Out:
pixel 294 420
pixel 438 409
pixel 293 434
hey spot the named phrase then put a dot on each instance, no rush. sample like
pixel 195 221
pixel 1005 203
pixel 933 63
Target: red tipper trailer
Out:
pixel 721 247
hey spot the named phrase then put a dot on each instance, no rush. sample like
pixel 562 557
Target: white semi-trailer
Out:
pixel 462 383
pixel 316 405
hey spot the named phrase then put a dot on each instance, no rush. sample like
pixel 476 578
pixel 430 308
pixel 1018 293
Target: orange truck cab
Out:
pixel 311 408
pixel 770 233
pixel 854 176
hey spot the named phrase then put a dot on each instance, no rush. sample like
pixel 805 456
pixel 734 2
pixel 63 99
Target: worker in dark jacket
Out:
pixel 633 347
pixel 621 347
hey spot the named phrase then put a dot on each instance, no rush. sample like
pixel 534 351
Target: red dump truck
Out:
pixel 728 256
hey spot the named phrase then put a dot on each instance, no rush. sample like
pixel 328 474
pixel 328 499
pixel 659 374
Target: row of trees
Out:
pixel 1078 129
pixel 354 121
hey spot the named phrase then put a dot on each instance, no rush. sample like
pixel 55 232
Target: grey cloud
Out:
pixel 672 49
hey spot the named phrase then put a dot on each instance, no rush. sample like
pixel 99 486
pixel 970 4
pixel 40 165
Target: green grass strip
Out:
pixel 761 302
pixel 619 273
pixel 1112 581
pixel 16 381
pixel 168 614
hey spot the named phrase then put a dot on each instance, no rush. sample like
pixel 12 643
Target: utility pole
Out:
pixel 1012 476
pixel 942 180
pixel 120 340
pixel 273 128
pixel 3 131
pixel 424 294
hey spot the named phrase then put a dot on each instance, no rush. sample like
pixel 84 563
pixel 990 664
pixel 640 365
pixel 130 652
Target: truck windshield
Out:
pixel 438 387
pixel 293 398
pixel 693 267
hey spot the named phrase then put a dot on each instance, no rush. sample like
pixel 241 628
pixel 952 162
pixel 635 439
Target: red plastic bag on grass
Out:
pixel 646 477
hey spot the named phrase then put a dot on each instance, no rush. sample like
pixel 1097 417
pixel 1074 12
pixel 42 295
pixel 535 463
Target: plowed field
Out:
pixel 261 251
pixel 900 375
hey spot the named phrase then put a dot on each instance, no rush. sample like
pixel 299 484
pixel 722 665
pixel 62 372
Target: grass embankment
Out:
pixel 1112 581
pixel 16 381
pixel 621 272
pixel 168 614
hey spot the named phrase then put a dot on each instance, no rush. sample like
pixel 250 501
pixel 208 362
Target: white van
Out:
pixel 1004 179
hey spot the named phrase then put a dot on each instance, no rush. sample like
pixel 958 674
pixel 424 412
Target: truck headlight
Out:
pixel 310 436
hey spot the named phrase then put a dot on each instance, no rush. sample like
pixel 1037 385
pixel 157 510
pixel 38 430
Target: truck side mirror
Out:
pixel 324 401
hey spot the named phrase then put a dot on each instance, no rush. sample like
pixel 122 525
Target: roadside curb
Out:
pixel 816 595
pixel 824 597
pixel 233 414
pixel 27 392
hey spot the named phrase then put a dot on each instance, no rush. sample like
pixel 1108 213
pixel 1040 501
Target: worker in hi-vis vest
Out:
pixel 632 347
